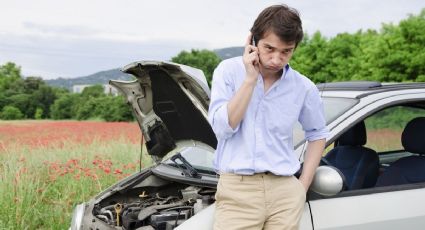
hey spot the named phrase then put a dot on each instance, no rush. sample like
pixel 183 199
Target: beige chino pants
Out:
pixel 261 201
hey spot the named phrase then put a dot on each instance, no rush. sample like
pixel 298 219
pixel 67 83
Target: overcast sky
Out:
pixel 73 38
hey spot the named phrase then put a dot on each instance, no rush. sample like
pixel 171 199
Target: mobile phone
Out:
pixel 253 43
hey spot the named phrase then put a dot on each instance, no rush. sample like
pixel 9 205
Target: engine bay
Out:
pixel 154 203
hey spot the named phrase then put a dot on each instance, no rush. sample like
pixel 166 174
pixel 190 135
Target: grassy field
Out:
pixel 47 167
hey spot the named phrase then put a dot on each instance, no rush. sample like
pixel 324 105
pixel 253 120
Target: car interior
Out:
pixel 386 148
pixel 359 164
pixel 409 169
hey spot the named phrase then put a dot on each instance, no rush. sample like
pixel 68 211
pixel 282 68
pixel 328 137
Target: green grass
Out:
pixel 39 187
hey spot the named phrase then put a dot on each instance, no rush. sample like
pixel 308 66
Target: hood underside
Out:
pixel 170 102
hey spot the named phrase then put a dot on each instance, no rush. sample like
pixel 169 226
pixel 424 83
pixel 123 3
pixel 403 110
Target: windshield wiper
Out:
pixel 189 170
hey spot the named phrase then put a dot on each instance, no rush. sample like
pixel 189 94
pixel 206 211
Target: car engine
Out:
pixel 160 207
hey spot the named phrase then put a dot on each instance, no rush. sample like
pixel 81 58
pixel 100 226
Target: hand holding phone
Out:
pixel 251 59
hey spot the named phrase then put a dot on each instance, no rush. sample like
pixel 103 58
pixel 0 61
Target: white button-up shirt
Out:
pixel 263 139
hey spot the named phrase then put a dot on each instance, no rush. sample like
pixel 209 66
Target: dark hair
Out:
pixel 282 20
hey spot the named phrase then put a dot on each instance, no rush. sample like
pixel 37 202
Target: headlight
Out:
pixel 77 217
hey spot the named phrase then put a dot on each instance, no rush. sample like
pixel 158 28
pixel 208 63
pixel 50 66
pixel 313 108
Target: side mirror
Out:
pixel 328 181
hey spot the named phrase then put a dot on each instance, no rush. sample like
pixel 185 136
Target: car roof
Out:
pixel 359 89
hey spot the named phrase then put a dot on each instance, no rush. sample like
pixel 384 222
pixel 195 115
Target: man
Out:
pixel 255 102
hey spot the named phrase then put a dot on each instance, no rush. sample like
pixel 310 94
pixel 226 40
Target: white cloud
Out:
pixel 55 38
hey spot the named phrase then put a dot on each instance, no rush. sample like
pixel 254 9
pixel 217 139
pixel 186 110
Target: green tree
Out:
pixel 9 73
pixel 31 84
pixel 44 97
pixel 311 57
pixel 26 94
pixel 65 107
pixel 116 109
pixel 89 102
pixel 11 113
pixel 38 114
pixel 86 109
pixel 202 59
pixel 367 63
pixel 413 40
pixel 4 100
pixel 93 91
pixel 343 53
pixel 25 103
pixel 396 53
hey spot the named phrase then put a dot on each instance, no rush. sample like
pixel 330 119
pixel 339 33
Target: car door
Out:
pixel 376 210
pixel 391 207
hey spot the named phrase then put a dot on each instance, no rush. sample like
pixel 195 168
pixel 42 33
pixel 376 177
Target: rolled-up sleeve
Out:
pixel 312 117
pixel 222 90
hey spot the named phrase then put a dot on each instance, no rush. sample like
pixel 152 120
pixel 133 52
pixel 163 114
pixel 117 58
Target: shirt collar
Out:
pixel 285 70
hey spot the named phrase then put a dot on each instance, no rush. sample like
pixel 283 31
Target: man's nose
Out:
pixel 277 59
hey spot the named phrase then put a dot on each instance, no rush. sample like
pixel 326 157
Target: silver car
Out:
pixel 371 176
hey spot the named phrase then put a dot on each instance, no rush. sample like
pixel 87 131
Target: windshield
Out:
pixel 200 156
pixel 334 107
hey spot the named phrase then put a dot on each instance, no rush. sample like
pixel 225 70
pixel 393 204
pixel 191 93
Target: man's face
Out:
pixel 274 53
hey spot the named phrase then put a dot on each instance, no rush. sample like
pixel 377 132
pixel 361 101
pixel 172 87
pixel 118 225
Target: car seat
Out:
pixel 409 169
pixel 360 165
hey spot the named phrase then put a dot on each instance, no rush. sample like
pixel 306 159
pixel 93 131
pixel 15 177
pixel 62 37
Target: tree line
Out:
pixel 32 98
pixel 395 53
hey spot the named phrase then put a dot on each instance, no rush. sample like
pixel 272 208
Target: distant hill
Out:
pixel 103 77
pixel 230 52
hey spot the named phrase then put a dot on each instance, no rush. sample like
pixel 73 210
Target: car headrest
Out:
pixel 355 136
pixel 413 136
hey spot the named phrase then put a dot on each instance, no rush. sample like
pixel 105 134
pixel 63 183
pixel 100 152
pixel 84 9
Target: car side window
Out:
pixel 362 164
pixel 385 127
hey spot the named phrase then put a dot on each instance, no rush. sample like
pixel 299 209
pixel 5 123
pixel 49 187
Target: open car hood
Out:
pixel 170 102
